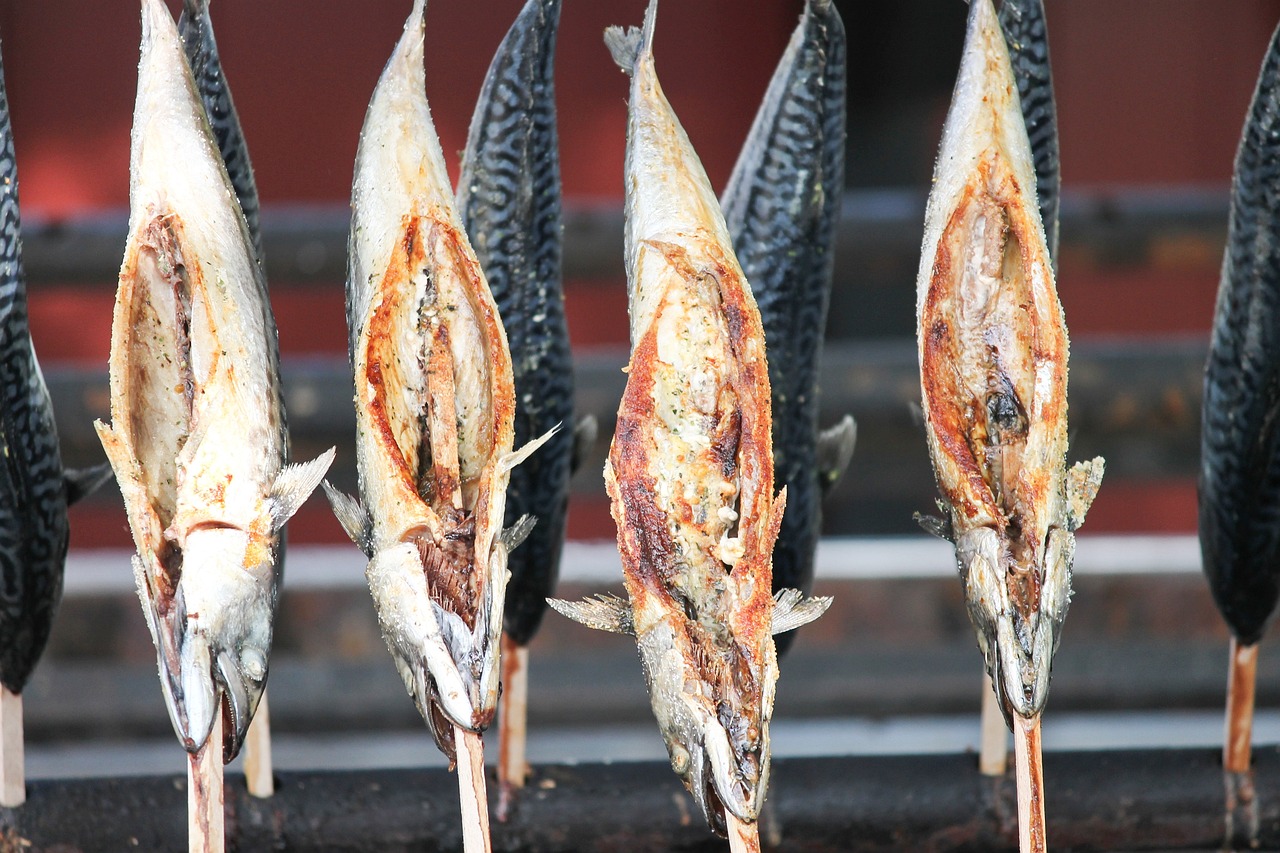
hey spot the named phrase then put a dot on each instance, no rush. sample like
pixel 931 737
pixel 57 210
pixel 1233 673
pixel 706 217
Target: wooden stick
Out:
pixel 471 791
pixel 1242 676
pixel 513 720
pixel 257 753
pixel 743 837
pixel 993 751
pixel 13 774
pixel 1026 756
pixel 205 832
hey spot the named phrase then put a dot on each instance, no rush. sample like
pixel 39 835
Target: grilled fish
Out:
pixel 690 469
pixel 434 405
pixel 509 204
pixel 781 207
pixel 1240 443
pixel 1026 35
pixel 197 438
pixel 34 488
pixel 993 365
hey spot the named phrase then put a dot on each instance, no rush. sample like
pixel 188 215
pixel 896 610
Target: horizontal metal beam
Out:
pixel 1124 800
pixel 1126 226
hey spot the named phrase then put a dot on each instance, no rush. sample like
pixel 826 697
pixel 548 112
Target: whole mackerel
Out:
pixel 34 489
pixel 434 406
pixel 197 438
pixel 781 207
pixel 690 470
pixel 993 363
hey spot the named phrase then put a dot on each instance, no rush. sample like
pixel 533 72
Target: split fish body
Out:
pixel 197 438
pixel 690 470
pixel 781 206
pixel 1240 442
pixel 434 404
pixel 509 204
pixel 993 359
pixel 1026 35
pixel 33 498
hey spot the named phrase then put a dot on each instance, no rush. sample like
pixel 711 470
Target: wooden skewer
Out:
pixel 512 723
pixel 993 751
pixel 257 753
pixel 205 828
pixel 1242 677
pixel 471 791
pixel 1026 753
pixel 13 774
pixel 743 837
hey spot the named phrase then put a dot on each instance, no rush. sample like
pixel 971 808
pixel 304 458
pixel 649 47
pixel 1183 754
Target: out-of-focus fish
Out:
pixel 690 471
pixel 434 406
pixel 196 30
pixel 781 207
pixel 197 438
pixel 1026 34
pixel 34 489
pixel 993 362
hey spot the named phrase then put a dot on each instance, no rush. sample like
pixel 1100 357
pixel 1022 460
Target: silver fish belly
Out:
pixel 993 362
pixel 197 436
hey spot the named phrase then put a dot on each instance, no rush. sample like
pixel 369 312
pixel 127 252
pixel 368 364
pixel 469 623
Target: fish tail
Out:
pixel 628 46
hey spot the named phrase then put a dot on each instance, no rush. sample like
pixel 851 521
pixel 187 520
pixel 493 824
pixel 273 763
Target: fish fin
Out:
pixel 792 610
pixel 82 482
pixel 518 532
pixel 628 45
pixel 602 612
pixel 835 450
pixel 935 526
pixel 1083 482
pixel 353 518
pixel 515 457
pixel 294 484
pixel 585 433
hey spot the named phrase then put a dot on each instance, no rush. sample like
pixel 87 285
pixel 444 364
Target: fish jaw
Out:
pixel 434 409
pixel 993 353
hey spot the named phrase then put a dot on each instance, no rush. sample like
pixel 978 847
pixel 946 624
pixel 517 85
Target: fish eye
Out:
pixel 679 759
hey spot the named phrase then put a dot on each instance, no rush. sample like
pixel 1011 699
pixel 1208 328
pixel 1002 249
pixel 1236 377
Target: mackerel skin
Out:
pixel 1240 441
pixel 781 207
pixel 1027 36
pixel 993 363
pixel 196 31
pixel 33 500
pixel 509 203
pixel 197 438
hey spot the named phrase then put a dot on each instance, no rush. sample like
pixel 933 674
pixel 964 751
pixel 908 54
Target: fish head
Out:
pixel 723 758
pixel 1017 638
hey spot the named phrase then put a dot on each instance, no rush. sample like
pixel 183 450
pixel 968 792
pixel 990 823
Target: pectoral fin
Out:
pixel 515 457
pixel 82 482
pixel 585 432
pixel 1083 481
pixel 353 518
pixel 792 610
pixel 602 612
pixel 516 533
pixel 294 484
pixel 835 450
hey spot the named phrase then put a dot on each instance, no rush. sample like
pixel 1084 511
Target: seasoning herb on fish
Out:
pixel 35 490
pixel 1240 443
pixel 509 204
pixel 781 207
pixel 690 471
pixel 434 406
pixel 993 365
pixel 197 438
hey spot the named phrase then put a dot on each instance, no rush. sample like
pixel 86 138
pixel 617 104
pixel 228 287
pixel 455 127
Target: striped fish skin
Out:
pixel 781 206
pixel 509 203
pixel 690 469
pixel 993 363
pixel 1240 443
pixel 196 31
pixel 33 501
pixel 197 438
pixel 434 409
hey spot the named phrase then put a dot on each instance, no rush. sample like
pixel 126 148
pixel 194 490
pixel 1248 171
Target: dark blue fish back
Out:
pixel 509 200
pixel 1240 450
pixel 782 206
pixel 33 504
pixel 1026 33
